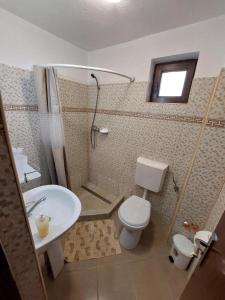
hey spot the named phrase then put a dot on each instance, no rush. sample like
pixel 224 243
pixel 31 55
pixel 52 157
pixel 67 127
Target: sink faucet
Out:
pixel 29 211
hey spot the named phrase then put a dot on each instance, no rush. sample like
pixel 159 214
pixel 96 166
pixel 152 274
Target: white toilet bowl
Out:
pixel 134 215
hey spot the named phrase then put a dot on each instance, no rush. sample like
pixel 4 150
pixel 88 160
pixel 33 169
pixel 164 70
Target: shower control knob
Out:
pixel 104 130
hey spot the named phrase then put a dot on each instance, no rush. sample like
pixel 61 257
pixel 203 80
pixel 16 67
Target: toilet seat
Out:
pixel 135 212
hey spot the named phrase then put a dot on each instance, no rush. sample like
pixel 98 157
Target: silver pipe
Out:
pixel 132 79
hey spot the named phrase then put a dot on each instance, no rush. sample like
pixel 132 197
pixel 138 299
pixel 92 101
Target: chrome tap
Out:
pixel 36 203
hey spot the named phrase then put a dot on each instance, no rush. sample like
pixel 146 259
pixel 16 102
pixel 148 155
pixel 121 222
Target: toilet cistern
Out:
pixel 150 174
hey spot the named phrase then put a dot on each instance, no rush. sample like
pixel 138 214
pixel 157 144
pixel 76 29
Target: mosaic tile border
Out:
pixel 13 107
pixel 216 123
pixel 177 118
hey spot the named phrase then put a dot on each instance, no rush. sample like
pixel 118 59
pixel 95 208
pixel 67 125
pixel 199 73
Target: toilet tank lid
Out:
pixel 152 163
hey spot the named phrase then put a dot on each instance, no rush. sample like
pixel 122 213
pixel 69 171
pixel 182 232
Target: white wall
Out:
pixel 135 57
pixel 23 45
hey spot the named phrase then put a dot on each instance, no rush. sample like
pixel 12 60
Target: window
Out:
pixel 172 81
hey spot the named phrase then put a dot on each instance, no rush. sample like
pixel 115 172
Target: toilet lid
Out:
pixel 183 244
pixel 135 211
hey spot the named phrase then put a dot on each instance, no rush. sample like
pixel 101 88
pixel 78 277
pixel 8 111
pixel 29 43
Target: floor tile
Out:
pixel 112 278
pixel 79 285
pixel 121 294
pixel 148 280
pixel 144 273
pixel 80 265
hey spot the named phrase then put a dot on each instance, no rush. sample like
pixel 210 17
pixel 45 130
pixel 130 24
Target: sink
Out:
pixel 61 205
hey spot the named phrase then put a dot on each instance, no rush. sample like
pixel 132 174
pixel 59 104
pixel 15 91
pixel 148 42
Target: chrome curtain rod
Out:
pixel 132 79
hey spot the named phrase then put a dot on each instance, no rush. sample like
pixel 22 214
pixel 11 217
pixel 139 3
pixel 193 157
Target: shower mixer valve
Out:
pixel 95 128
pixel 101 130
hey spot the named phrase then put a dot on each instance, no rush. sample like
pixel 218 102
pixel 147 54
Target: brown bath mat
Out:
pixel 91 239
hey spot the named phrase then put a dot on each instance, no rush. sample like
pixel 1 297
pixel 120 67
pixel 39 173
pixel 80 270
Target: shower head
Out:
pixel 93 76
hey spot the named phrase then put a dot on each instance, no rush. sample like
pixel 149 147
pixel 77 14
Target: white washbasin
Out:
pixel 61 205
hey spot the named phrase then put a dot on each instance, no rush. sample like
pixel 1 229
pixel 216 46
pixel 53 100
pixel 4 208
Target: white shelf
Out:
pixel 30 176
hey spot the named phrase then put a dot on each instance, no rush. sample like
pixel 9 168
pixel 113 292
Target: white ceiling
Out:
pixel 93 24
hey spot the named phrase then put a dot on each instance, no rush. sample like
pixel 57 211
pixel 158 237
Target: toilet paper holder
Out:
pixel 208 246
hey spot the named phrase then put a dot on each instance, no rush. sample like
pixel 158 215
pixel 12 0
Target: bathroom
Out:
pixel 108 127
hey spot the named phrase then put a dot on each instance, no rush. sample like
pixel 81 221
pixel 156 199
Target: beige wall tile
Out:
pixel 112 164
pixel 14 234
pixel 24 131
pixel 76 139
pixel 132 97
pixel 218 105
pixel 72 94
pixel 206 180
pixel 17 86
pixel 216 212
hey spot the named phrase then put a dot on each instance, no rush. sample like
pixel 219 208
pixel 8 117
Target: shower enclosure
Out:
pixel 85 136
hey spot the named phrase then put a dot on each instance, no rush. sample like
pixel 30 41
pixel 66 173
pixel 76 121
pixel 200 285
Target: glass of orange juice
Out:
pixel 42 223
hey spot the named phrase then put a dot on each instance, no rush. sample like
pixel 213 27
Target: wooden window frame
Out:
pixel 188 65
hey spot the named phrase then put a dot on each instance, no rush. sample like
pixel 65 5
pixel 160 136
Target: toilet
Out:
pixel 134 213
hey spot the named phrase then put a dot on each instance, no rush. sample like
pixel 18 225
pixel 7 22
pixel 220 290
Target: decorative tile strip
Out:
pixel 216 123
pixel 77 109
pixel 141 115
pixel 12 107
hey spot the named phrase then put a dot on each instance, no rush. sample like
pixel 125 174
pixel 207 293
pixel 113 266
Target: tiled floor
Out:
pixel 144 273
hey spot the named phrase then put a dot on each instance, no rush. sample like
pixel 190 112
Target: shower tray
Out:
pixel 96 203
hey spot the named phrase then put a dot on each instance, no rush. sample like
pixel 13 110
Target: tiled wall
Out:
pixel 20 105
pixel 132 98
pixel 218 112
pixel 216 212
pixel 164 132
pixel 19 99
pixel 74 95
pixel 208 172
pixel 206 179
pixel 14 234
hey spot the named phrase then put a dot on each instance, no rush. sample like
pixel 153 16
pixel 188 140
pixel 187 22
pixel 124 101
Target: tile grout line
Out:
pixel 97 282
